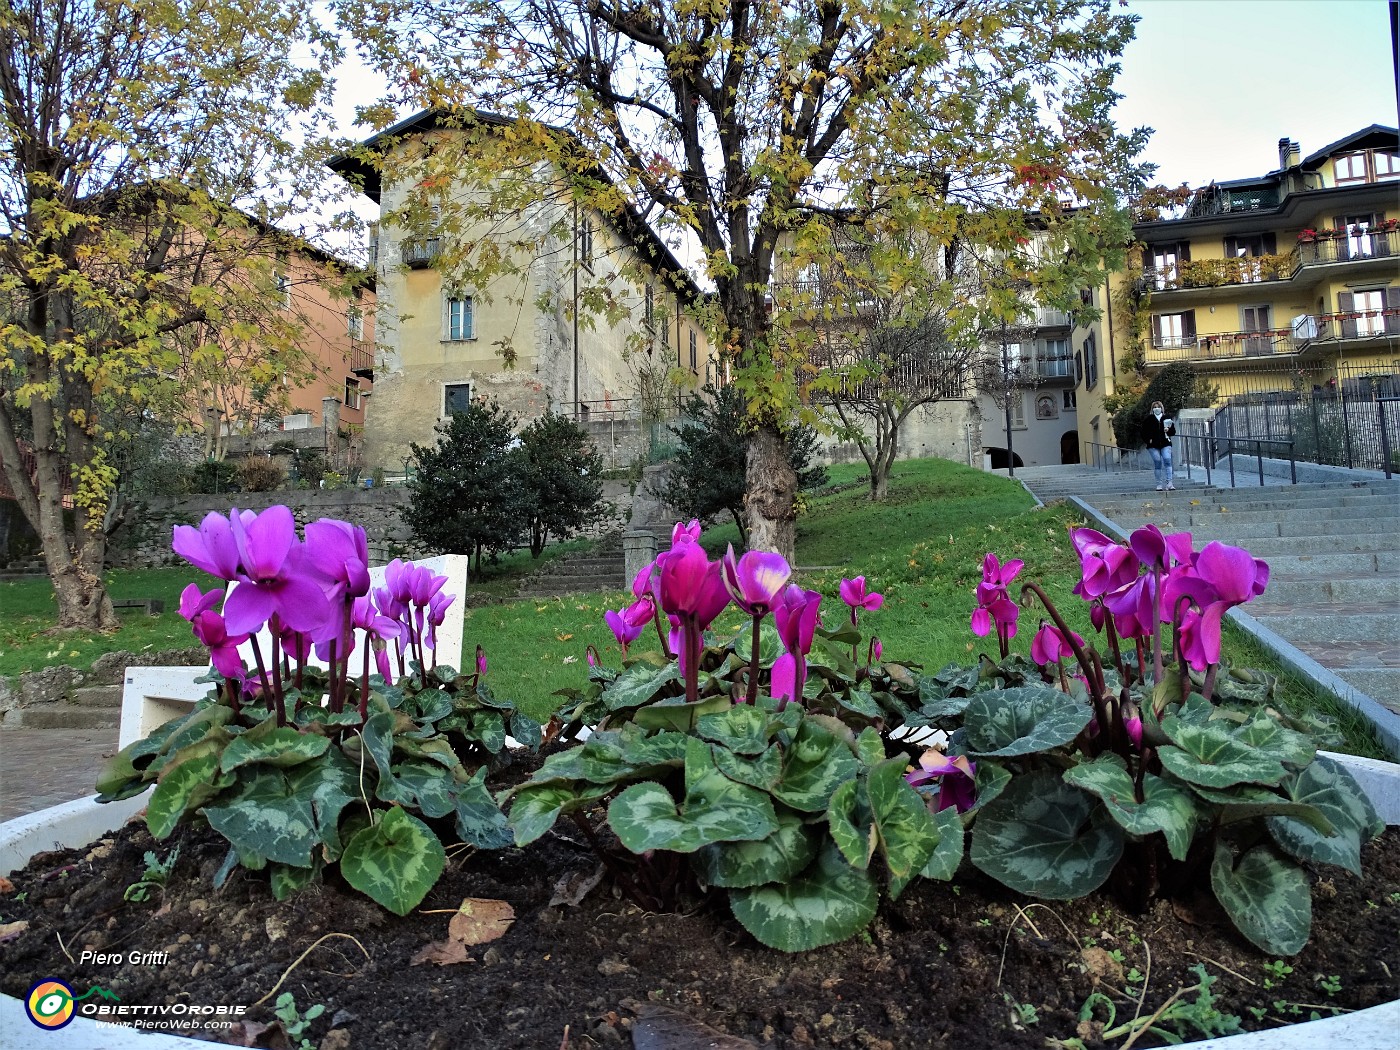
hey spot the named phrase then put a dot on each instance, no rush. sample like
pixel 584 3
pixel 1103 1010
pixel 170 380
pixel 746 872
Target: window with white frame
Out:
pixel 1370 304
pixel 694 352
pixel 284 290
pixel 456 398
pixel 1070 403
pixel 459 319
pixel 665 329
pixel 352 392
pixel 1387 164
pixel 1349 168
pixel 649 306
pixel 355 322
pixel 1174 330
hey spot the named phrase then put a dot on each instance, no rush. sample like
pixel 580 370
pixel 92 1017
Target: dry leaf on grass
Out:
pixel 478 920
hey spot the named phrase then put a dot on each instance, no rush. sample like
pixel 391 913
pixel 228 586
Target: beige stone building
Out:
pixel 440 346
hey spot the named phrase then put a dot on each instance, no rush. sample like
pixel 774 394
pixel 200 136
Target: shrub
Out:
pixel 259 474
pixel 214 476
pixel 562 472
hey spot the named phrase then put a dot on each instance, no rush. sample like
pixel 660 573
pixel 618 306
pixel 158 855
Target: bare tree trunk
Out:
pixel 770 490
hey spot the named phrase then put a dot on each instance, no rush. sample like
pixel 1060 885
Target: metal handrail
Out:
pixel 1258 443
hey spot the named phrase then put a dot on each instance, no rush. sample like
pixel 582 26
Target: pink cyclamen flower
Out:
pixel 210 629
pixel 994 603
pixel 1104 565
pixel 210 548
pixel 755 580
pixel 276 577
pixel 854 594
pixel 339 551
pixel 1221 578
pixel 1050 645
pixel 480 660
pixel 685 533
pixel 627 624
pixel 957 786
pixel 796 616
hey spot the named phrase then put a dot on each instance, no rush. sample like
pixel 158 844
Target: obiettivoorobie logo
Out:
pixel 50 1003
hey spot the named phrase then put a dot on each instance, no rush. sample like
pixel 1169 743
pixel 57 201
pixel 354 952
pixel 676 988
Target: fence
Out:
pixel 1330 428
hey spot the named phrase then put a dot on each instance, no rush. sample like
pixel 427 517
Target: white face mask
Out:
pixel 1157 412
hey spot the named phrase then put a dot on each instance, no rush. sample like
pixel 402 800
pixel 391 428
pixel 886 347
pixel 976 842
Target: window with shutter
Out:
pixel 1346 307
pixel 1369 306
pixel 1392 310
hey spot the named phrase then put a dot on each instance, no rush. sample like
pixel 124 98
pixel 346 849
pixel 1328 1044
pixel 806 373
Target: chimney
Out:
pixel 1289 154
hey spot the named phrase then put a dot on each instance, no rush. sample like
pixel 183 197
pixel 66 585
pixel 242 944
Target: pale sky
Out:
pixel 1222 81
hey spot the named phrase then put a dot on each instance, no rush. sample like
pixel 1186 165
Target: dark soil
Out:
pixel 957 965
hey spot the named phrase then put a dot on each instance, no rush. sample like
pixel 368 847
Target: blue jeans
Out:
pixel 1162 464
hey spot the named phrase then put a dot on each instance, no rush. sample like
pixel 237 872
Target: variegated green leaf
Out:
pixel 272 746
pixel 741 729
pixel 851 823
pixel 395 862
pixel 1266 896
pixel 190 778
pixel 535 807
pixel 907 832
pixel 1022 721
pixel 829 902
pixel 287 880
pixel 1166 806
pixel 640 684
pixel 1046 838
pixel 479 820
pixel 267 817
pixel 418 783
pixel 1328 786
pixel 948 854
pixel 1211 755
pixel 815 764
pixel 330 783
pixel 777 858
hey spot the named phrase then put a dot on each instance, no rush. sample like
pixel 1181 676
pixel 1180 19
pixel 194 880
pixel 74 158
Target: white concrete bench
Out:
pixel 152 696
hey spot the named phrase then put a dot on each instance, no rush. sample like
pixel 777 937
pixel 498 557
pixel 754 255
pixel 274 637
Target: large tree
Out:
pixel 744 128
pixel 147 148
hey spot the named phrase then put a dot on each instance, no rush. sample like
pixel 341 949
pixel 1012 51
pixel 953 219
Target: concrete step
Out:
pixel 1324 535
pixel 1379 683
pixel 62 716
pixel 1323 624
pixel 1329 588
pixel 548 586
pixel 1375 510
pixel 592 566
pixel 98 696
pixel 1384 561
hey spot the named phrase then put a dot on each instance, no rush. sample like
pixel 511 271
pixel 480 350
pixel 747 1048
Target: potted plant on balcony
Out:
pixel 1307 236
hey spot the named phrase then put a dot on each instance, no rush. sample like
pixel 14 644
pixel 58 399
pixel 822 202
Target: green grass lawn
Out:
pixel 922 549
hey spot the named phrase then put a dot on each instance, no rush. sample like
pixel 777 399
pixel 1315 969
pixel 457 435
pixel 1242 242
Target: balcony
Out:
pixel 361 359
pixel 1324 248
pixel 1051 369
pixel 420 254
pixel 1218 200
pixel 1313 333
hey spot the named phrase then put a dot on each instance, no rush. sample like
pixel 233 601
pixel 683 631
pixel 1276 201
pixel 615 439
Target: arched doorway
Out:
pixel 998 458
pixel 1069 446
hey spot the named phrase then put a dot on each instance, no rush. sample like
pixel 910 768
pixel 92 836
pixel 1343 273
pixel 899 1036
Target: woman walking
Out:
pixel 1158 432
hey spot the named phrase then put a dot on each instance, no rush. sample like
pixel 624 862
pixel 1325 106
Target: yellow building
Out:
pixel 439 346
pixel 1283 284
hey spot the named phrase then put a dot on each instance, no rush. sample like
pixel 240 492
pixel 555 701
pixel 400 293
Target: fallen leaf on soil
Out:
pixel 1102 965
pixel 248 1033
pixel 336 1039
pixel 573 887
pixel 479 920
pixel 13 929
pixel 662 1028
pixel 6 886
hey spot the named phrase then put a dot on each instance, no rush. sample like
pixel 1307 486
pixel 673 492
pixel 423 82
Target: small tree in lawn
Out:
pixel 562 472
pixel 467 495
pixel 706 478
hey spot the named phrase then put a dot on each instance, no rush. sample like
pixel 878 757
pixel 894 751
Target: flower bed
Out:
pixel 777 776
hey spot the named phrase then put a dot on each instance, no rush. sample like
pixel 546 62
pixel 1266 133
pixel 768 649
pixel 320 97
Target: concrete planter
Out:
pixel 77 823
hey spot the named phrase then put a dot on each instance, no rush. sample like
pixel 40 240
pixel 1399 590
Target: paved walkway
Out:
pixel 43 767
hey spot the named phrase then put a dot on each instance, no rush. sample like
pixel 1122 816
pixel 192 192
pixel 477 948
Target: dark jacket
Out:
pixel 1157 433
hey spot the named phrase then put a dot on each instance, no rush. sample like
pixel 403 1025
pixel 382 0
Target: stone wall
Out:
pixel 949 429
pixel 143 539
pixel 49 687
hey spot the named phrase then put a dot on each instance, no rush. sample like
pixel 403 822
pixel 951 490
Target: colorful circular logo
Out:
pixel 50 1003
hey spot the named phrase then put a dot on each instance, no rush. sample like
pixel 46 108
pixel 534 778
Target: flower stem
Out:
pixel 752 698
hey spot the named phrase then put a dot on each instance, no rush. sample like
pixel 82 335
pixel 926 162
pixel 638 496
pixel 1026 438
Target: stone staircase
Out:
pixel 600 570
pixel 1061 482
pixel 23 569
pixel 1334 558
pixel 91 707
